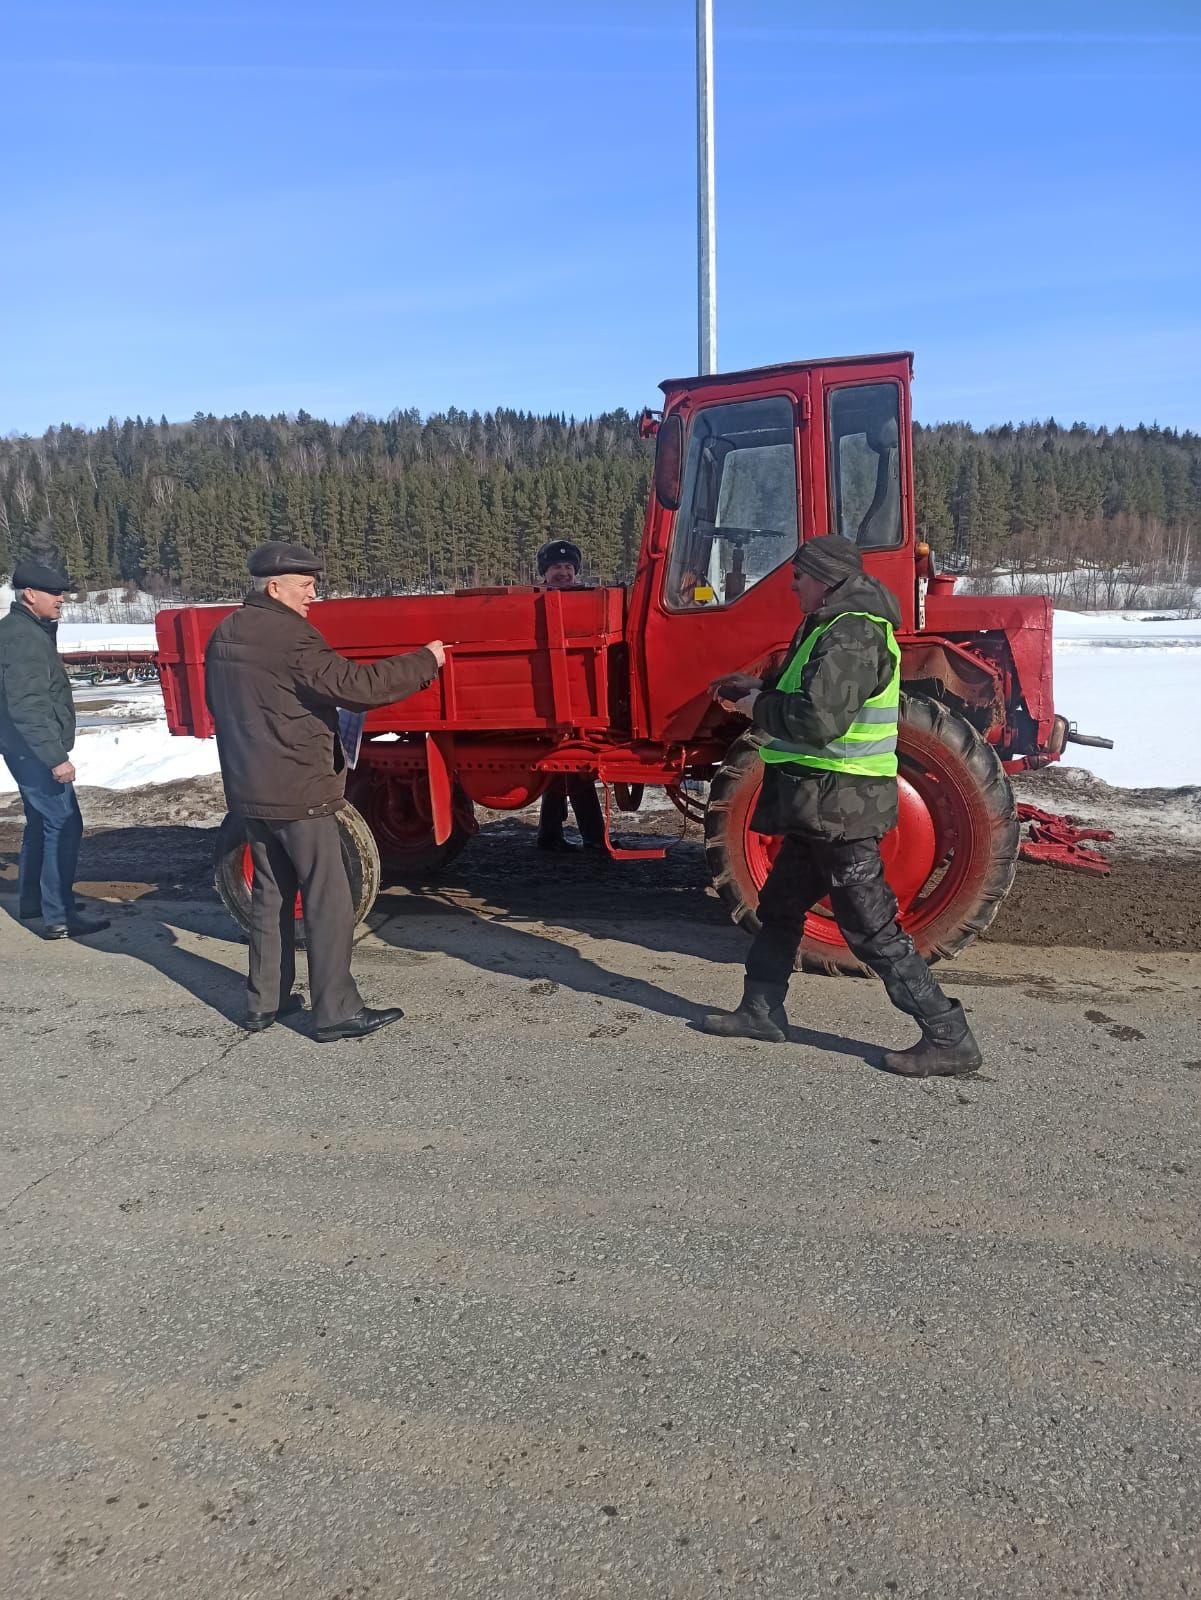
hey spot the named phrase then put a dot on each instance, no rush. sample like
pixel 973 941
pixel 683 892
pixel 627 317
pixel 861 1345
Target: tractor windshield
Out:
pixel 738 507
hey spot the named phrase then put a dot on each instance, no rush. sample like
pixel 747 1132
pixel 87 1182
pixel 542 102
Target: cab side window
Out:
pixel 737 520
pixel 864 436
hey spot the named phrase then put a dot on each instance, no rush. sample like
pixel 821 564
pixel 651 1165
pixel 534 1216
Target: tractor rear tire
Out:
pixel 233 873
pixel 951 774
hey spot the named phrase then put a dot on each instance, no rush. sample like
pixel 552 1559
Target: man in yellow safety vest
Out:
pixel 828 724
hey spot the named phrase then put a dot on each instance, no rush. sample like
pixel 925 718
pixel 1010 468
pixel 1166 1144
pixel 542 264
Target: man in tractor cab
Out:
pixel 829 724
pixel 274 688
pixel 559 564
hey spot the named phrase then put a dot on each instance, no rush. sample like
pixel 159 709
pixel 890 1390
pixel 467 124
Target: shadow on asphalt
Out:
pixel 480 911
pixel 126 875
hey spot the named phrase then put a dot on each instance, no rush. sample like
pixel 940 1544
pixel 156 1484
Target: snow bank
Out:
pixel 1141 699
pixel 104 606
pixel 1125 627
pixel 106 636
pixel 79 628
pixel 1132 676
pixel 128 757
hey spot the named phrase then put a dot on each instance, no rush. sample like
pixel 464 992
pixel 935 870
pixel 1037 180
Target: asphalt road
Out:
pixel 545 1293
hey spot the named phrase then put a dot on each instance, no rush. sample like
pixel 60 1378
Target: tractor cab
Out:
pixel 748 464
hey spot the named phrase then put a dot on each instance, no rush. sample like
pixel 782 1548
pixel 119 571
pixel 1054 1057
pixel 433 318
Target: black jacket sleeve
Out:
pixel 332 679
pixel 30 702
pixel 849 664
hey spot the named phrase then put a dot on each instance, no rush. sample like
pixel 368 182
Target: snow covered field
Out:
pixel 1128 675
pixel 1136 681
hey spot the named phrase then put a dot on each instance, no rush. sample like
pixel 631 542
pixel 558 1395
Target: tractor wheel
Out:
pixel 397 810
pixel 950 860
pixel 233 872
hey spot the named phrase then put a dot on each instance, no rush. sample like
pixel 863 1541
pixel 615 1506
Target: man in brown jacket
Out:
pixel 274 688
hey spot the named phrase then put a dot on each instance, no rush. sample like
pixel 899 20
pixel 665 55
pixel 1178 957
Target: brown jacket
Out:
pixel 274 687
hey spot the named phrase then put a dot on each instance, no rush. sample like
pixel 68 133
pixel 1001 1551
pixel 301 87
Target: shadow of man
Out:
pixel 154 885
pixel 428 922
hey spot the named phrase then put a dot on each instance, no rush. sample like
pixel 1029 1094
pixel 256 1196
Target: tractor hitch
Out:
pixel 1057 841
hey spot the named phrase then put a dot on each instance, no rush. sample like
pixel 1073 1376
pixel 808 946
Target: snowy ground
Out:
pixel 1131 676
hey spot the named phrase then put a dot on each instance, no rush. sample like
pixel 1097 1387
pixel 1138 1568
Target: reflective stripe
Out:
pixel 839 749
pixel 877 714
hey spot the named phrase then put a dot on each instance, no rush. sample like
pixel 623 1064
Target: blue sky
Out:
pixel 356 206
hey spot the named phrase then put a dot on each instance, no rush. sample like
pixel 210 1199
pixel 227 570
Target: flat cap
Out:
pixel 559 550
pixel 36 575
pixel 830 558
pixel 276 560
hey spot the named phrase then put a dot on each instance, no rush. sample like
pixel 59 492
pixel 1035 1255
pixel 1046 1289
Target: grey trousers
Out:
pixel 305 856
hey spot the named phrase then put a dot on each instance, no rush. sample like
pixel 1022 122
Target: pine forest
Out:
pixel 462 498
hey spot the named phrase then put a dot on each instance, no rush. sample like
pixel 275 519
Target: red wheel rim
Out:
pixel 398 814
pixel 939 860
pixel 909 853
pixel 248 875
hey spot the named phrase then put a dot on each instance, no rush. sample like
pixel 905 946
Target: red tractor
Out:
pixel 613 682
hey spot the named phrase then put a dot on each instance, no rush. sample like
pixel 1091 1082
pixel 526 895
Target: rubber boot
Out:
pixel 551 816
pixel 760 1015
pixel 945 1049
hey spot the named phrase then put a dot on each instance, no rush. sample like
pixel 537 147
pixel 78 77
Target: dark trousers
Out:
pixel 50 846
pixel 588 814
pixel 305 856
pixel 865 908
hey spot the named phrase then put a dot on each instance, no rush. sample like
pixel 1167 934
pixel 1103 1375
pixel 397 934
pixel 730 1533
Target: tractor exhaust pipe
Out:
pixel 1095 739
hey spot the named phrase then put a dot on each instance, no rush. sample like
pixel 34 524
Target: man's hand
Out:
pixel 734 686
pixel 64 772
pixel 438 650
pixel 745 706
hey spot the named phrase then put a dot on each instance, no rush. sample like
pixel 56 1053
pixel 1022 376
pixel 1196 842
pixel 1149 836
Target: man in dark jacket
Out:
pixel 828 723
pixel 559 564
pixel 37 734
pixel 274 688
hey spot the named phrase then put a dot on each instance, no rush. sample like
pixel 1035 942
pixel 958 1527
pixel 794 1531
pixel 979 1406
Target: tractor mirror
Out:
pixel 669 461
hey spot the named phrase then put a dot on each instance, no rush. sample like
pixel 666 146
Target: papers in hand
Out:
pixel 350 732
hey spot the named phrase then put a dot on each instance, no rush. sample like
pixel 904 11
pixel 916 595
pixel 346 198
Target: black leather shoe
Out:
pixel 556 843
pixel 79 929
pixel 360 1025
pixel 257 1021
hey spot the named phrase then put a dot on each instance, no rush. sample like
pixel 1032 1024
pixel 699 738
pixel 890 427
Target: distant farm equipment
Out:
pixel 111 666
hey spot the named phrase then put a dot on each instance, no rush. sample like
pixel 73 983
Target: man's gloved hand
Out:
pixel 734 687
pixel 744 707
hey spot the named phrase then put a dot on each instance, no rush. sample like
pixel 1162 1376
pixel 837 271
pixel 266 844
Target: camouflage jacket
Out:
pixel 849 664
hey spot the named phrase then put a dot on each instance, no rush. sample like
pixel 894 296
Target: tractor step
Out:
pixel 1056 841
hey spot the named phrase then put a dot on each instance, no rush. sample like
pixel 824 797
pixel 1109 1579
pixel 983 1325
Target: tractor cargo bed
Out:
pixel 518 660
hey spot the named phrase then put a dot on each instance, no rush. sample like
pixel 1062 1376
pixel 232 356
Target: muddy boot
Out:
pixel 759 1016
pixel 945 1049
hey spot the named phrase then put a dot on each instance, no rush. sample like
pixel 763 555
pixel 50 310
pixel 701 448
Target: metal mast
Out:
pixel 706 214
